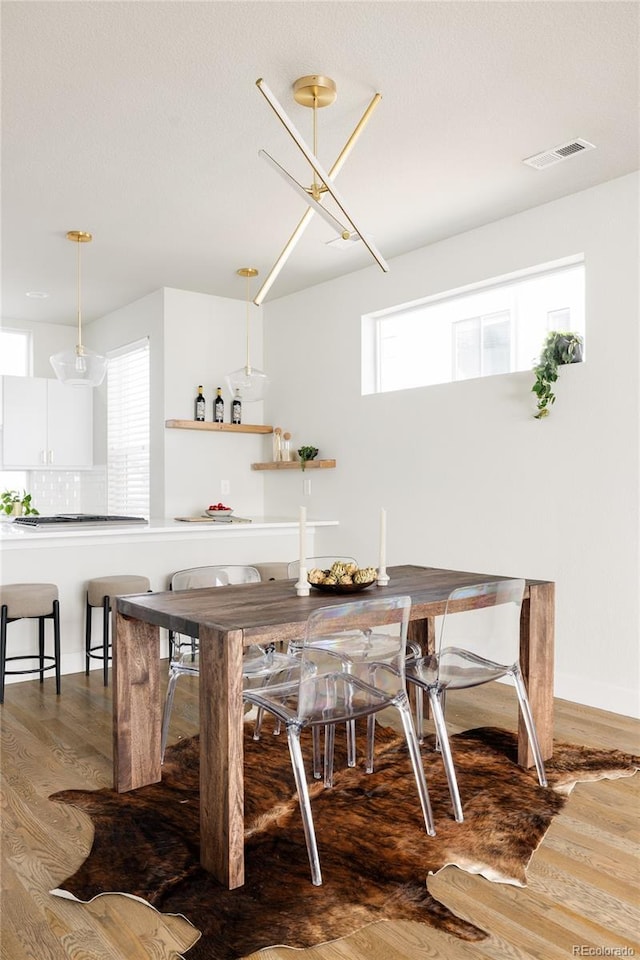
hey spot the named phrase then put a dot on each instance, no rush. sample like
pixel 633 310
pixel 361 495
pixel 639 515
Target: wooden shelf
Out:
pixel 295 465
pixel 219 427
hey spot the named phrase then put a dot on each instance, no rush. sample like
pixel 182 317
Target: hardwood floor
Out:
pixel 582 897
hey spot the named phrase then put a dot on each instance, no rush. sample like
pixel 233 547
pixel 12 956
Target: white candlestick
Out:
pixel 303 536
pixel 302 586
pixel 383 579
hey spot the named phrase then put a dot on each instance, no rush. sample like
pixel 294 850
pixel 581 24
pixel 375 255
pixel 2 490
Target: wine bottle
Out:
pixel 236 408
pixel 218 407
pixel 200 405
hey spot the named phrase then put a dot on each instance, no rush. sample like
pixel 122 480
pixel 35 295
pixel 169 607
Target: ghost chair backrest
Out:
pixel 322 563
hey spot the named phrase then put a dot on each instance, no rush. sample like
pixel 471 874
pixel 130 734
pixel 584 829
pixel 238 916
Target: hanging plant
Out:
pixel 558 349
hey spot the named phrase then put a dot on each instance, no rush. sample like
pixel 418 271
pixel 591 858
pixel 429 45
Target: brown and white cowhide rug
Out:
pixel 374 852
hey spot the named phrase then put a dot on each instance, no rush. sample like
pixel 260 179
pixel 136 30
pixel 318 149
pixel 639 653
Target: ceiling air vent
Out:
pixel 556 154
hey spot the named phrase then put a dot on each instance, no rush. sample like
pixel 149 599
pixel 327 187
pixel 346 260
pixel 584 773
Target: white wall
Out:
pixel 469 478
pixel 205 338
pixel 194 339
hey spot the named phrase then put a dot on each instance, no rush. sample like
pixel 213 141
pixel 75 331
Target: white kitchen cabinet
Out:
pixel 46 424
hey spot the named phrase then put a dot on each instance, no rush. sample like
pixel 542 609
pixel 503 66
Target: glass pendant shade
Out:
pixel 249 382
pixel 79 367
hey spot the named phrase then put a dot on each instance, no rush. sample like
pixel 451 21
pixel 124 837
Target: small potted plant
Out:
pixel 15 504
pixel 307 453
pixel 558 348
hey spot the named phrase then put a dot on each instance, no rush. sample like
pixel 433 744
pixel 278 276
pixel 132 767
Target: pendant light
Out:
pixel 79 367
pixel 248 381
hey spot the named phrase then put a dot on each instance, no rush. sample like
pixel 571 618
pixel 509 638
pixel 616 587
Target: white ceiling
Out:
pixel 140 122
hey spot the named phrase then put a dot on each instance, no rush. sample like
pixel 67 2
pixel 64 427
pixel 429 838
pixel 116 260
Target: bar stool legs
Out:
pixel 55 616
pixel 101 592
pixel 30 601
pixel 106 607
pixel 3 648
pixel 100 650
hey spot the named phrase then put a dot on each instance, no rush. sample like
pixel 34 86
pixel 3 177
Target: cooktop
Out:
pixel 73 518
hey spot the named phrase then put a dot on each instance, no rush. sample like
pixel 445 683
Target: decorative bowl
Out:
pixel 341 587
pixel 218 513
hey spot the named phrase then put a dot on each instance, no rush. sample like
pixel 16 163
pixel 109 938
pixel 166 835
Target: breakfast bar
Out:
pixel 228 620
pixel 70 554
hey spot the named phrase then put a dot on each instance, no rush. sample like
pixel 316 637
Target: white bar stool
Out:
pixel 25 601
pixel 276 570
pixel 101 592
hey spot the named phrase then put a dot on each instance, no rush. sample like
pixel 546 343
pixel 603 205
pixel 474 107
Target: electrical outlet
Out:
pixel 307 486
pixel 225 487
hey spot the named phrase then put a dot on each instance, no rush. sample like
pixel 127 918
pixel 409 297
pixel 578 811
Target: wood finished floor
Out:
pixel 582 898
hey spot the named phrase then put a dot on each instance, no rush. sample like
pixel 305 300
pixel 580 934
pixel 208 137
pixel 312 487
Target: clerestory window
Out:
pixel 485 330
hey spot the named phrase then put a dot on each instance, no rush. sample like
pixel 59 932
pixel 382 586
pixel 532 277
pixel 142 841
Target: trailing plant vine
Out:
pixel 558 349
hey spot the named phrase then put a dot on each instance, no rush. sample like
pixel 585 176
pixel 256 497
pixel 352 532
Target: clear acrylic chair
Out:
pixel 477 644
pixel 340 681
pixel 293 649
pixel 258 661
pixel 413 650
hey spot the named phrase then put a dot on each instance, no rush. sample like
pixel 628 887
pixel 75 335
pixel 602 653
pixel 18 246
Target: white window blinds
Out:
pixel 128 409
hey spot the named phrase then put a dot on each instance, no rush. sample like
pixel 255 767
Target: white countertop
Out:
pixel 14 535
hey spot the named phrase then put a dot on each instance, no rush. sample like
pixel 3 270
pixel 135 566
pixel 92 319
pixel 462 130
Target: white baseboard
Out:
pixel 622 700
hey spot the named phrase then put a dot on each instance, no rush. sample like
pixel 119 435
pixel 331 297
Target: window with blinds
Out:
pixel 128 413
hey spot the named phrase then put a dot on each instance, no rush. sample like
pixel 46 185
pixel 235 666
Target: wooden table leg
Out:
pixel 222 756
pixel 536 659
pixel 423 632
pixel 137 710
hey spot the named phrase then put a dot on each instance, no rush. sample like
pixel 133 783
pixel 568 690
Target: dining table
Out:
pixel 228 619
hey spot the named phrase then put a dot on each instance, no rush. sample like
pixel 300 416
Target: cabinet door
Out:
pixel 69 425
pixel 24 422
pixel 46 424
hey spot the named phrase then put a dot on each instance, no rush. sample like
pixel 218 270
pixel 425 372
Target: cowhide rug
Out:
pixel 374 852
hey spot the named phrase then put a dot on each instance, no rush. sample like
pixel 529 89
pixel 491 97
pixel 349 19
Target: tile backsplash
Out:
pixel 69 491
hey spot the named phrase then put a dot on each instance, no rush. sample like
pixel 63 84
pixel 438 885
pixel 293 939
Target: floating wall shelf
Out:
pixel 295 465
pixel 219 427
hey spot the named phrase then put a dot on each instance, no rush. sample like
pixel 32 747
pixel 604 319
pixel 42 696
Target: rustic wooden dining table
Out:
pixel 226 620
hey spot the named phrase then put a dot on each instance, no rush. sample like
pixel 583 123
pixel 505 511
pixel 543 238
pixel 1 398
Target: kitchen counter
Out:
pixel 69 557
pixel 14 535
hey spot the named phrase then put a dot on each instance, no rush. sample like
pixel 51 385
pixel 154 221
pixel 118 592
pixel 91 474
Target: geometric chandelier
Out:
pixel 79 367
pixel 316 91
